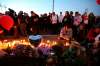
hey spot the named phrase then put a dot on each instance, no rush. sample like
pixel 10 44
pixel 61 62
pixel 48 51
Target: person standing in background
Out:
pixel 76 23
pixel 85 18
pixel 34 23
pixel 60 19
pixel 71 20
pixel 77 19
pixel 54 20
pixel 21 24
pixel 91 20
pixel 66 18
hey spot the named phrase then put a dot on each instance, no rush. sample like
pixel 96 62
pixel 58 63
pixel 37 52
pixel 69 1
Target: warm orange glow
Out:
pixel 13 42
pixel 67 44
pixel 47 43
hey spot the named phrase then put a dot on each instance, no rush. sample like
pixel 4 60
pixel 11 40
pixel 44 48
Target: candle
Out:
pixel 67 44
pixel 5 43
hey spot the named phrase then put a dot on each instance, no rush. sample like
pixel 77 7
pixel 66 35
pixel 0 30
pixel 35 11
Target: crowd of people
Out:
pixel 83 28
pixel 49 23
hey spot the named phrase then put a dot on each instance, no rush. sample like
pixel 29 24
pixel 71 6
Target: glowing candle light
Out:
pixel 5 40
pixel 48 41
pixel 67 44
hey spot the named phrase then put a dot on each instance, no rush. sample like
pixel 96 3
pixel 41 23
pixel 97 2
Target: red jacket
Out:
pixel 91 35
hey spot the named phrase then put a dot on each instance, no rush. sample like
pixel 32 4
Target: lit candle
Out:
pixel 48 41
pixel 67 44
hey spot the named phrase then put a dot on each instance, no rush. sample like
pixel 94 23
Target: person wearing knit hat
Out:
pixel 35 39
